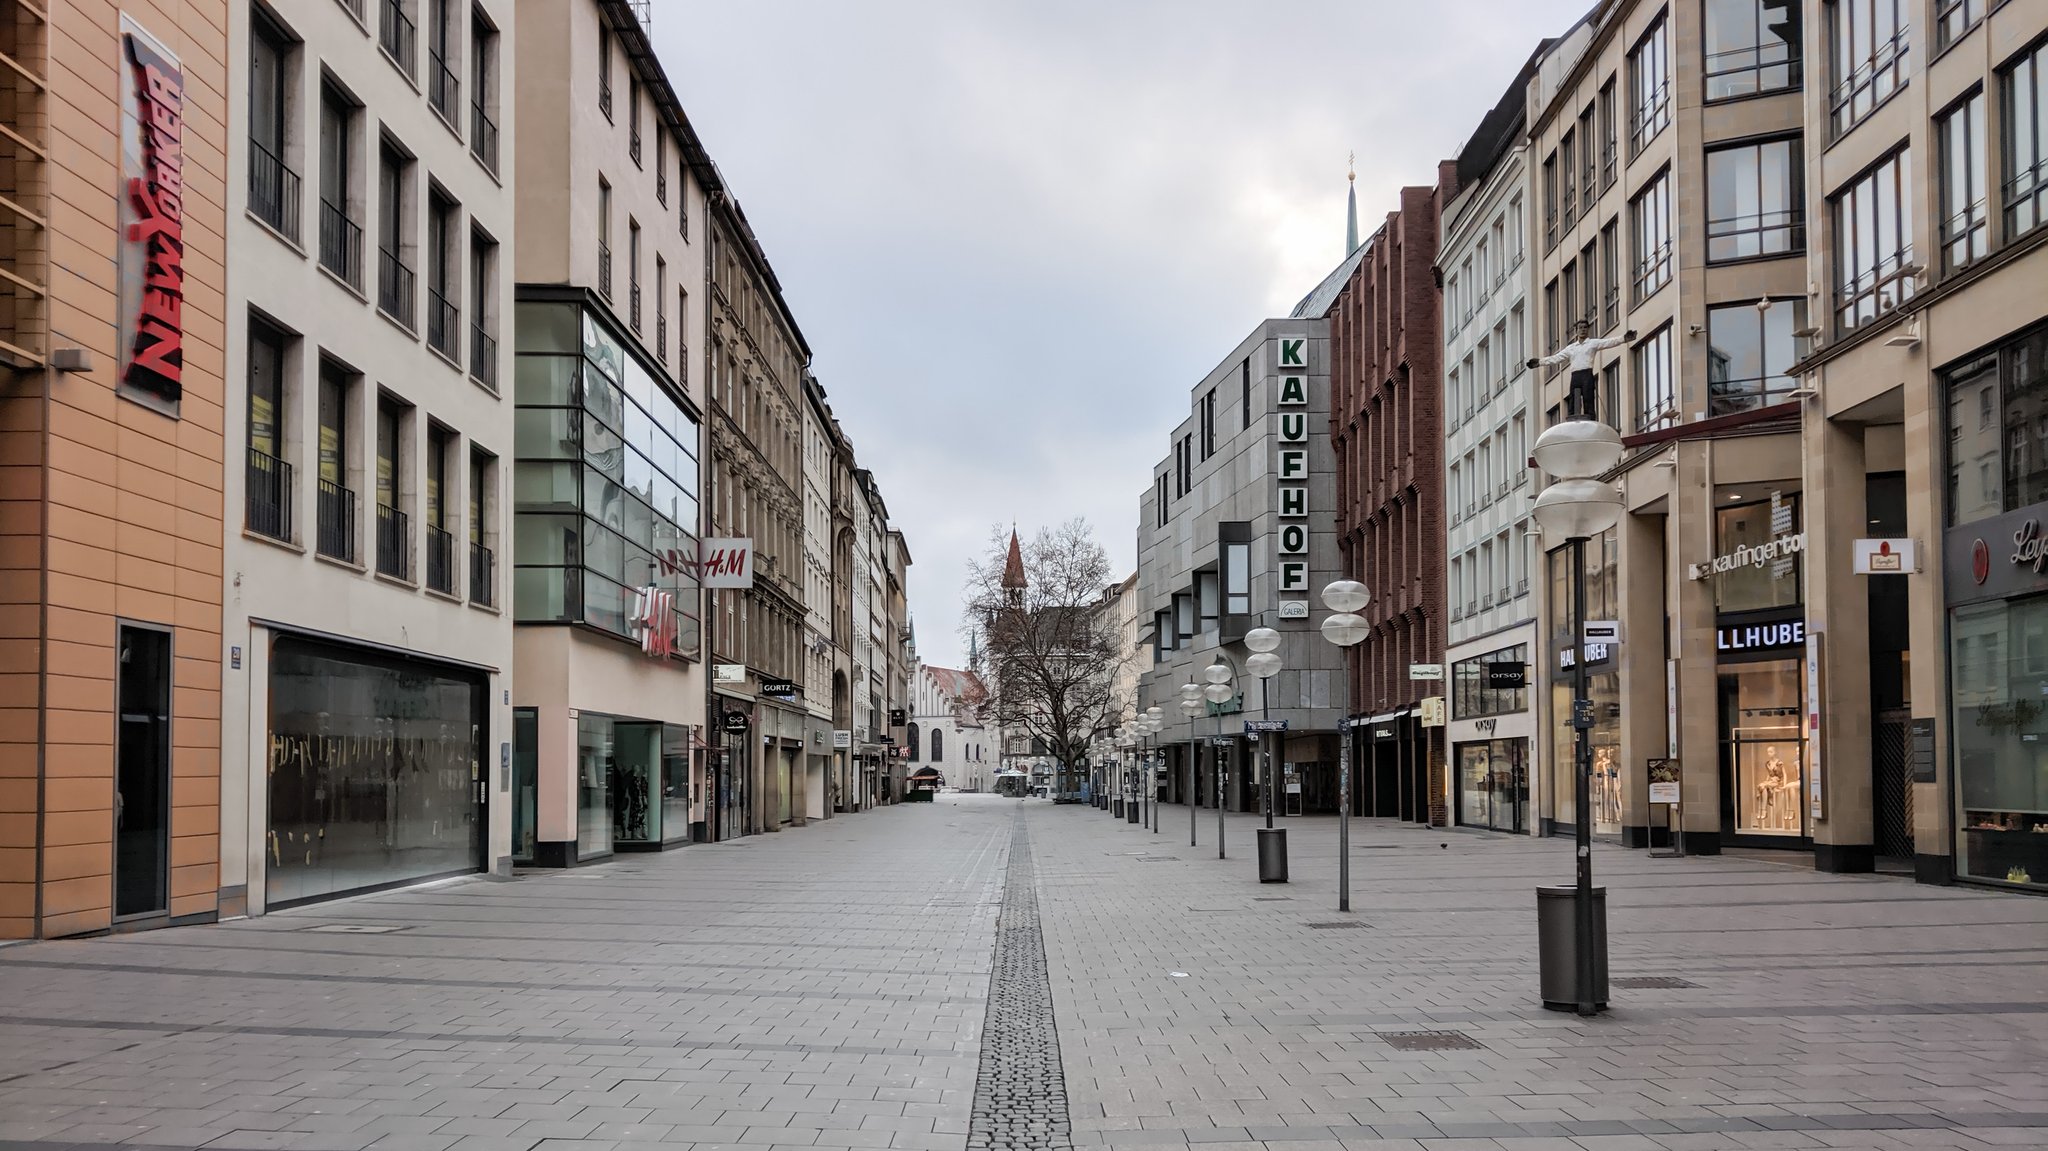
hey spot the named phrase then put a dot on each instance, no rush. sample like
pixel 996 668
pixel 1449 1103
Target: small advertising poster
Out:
pixel 1664 781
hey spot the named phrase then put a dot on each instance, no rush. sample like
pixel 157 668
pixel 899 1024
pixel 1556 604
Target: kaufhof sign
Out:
pixel 1290 362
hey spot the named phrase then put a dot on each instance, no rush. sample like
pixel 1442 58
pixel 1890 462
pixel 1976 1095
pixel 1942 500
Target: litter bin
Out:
pixel 1557 947
pixel 1117 812
pixel 1272 855
pixel 1131 809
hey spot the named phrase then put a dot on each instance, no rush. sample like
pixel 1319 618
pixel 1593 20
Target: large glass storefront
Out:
pixel 1493 784
pixel 1997 581
pixel 632 784
pixel 605 485
pixel 1603 684
pixel 375 771
pixel 1763 741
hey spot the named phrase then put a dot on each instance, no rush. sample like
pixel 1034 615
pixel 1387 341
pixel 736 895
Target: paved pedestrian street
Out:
pixel 829 987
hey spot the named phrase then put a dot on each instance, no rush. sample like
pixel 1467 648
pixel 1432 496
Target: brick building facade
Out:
pixel 1386 423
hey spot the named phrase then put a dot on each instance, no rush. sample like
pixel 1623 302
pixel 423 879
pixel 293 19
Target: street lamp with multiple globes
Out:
pixel 1576 507
pixel 1346 628
pixel 1155 722
pixel 1191 705
pixel 1264 662
pixel 1218 691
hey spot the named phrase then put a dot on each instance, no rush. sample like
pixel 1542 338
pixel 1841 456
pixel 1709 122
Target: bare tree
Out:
pixel 1038 618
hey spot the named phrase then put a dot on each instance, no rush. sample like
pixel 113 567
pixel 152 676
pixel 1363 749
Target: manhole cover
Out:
pixel 358 928
pixel 1430 1041
pixel 1650 981
pixel 1339 925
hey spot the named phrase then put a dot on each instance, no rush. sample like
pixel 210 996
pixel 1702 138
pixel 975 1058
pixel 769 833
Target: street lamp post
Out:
pixel 1576 507
pixel 1218 692
pixel 1191 706
pixel 1155 722
pixel 1264 662
pixel 1345 628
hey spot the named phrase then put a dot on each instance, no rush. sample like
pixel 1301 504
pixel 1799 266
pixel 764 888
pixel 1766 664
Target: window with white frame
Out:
pixel 1656 397
pixel 1873 225
pixel 1650 220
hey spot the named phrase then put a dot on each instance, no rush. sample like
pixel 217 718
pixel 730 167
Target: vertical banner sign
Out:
pixel 1816 679
pixel 1291 461
pixel 1671 709
pixel 152 239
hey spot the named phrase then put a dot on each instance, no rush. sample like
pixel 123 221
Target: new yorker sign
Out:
pixel 152 241
pixel 1290 355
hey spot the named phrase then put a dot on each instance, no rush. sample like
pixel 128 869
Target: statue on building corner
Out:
pixel 1582 401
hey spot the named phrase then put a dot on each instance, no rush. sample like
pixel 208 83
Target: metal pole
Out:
pixel 1152 781
pixel 1344 819
pixel 1582 720
pixel 1266 752
pixel 1218 751
pixel 1192 757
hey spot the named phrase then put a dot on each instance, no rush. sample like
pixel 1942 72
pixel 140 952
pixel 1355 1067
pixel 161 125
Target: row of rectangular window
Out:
pixel 634 150
pixel 271 495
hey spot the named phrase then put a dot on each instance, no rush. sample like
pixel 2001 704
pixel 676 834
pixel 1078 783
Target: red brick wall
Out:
pixel 1387 426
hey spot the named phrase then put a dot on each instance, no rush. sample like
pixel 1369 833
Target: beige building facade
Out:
pixel 1816 230
pixel 610 353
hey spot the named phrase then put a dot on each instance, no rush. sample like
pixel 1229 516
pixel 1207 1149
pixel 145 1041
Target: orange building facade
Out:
pixel 112 166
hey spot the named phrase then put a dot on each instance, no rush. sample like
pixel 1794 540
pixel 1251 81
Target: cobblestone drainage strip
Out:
pixel 1645 982
pixel 1020 1091
pixel 1430 1041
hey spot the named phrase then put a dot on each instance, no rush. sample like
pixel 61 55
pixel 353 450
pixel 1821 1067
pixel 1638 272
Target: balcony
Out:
pixel 337 522
pixel 443 87
pixel 273 191
pixel 483 136
pixel 483 357
pixel 440 560
pixel 604 269
pixel 633 295
pixel 661 336
pixel 1743 237
pixel 399 36
pixel 444 325
pixel 393 535
pixel 483 575
pixel 269 499
pixel 341 244
pixel 394 286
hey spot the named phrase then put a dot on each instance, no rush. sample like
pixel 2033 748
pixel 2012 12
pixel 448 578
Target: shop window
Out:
pixel 594 767
pixel 1493 784
pixel 1764 727
pixel 1773 582
pixel 1471 698
pixel 2000 723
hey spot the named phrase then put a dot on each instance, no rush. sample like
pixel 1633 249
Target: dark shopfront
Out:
pixel 1394 772
pixel 1995 569
pixel 376 771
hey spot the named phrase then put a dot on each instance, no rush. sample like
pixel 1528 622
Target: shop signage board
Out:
pixel 779 689
pixel 1293 609
pixel 1816 782
pixel 842 739
pixel 1290 465
pixel 1760 636
pixel 1433 711
pixel 1507 675
pixel 1923 750
pixel 1425 671
pixel 896 717
pixel 1664 781
pixel 728 673
pixel 726 562
pixel 1222 741
pixel 1602 631
pixel 151 241
pixel 734 723
pixel 1886 557
pixel 1777 551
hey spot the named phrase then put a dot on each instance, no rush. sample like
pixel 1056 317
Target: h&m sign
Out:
pixel 1291 461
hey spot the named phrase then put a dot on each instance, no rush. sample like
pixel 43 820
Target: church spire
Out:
pixel 1013 567
pixel 1351 207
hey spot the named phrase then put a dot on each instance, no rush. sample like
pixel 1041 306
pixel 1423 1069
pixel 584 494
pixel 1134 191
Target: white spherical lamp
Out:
pixel 1577 509
pixel 1577 449
pixel 1346 596
pixel 1262 639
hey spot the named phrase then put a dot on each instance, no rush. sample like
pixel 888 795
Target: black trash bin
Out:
pixel 1131 810
pixel 1117 811
pixel 1557 946
pixel 1272 855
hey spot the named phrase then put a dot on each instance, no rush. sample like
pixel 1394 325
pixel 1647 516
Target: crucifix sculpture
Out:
pixel 1582 401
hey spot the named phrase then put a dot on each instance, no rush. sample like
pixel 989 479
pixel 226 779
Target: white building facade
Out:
pixel 1487 399
pixel 946 731
pixel 365 717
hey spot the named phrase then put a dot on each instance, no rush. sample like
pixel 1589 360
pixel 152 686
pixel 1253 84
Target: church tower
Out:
pixel 1013 573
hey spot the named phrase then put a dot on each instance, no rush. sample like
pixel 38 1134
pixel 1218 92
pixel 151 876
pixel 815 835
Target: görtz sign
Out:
pixel 1290 356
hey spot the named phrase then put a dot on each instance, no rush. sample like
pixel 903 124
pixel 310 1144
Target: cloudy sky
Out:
pixel 1016 233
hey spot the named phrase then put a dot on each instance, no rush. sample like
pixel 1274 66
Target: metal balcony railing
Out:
pixel 483 135
pixel 341 244
pixel 393 534
pixel 337 521
pixel 604 269
pixel 440 560
pixel 444 325
pixel 400 37
pixel 483 357
pixel 269 503
pixel 394 286
pixel 483 575
pixel 273 191
pixel 443 86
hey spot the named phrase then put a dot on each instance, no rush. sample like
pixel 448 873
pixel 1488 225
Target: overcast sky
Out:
pixel 1016 234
